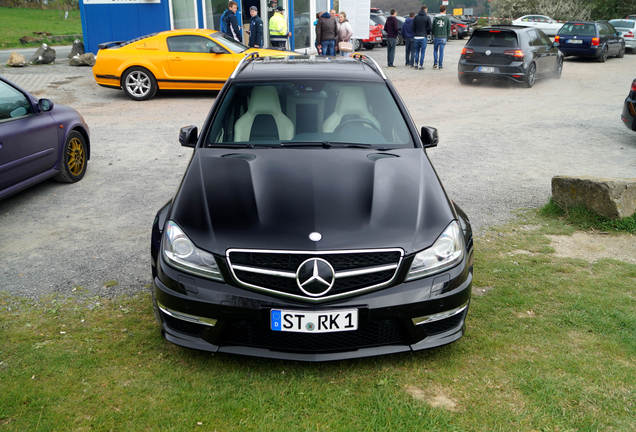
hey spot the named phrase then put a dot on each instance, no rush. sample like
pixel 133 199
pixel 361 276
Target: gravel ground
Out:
pixel 500 146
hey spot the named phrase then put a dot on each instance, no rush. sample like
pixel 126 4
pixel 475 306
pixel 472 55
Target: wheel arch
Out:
pixel 84 132
pixel 149 67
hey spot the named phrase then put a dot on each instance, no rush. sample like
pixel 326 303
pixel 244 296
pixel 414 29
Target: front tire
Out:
pixel 139 83
pixel 531 76
pixel 74 159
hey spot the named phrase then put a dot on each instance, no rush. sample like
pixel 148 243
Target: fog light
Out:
pixel 439 316
pixel 210 322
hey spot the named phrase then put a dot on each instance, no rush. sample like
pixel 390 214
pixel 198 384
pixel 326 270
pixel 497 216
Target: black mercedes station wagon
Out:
pixel 310 224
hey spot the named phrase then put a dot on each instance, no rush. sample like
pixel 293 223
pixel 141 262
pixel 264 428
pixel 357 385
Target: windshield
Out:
pixel 228 42
pixel 494 38
pixel 309 113
pixel 628 24
pixel 578 29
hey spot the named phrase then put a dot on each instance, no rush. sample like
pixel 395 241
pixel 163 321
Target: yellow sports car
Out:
pixel 196 59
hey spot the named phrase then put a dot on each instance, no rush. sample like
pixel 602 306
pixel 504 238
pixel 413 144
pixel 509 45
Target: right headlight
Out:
pixel 181 253
pixel 446 252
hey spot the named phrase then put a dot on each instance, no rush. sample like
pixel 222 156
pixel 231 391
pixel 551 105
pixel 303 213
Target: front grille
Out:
pixel 275 272
pixel 370 334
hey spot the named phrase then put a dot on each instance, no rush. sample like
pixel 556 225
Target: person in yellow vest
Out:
pixel 278 33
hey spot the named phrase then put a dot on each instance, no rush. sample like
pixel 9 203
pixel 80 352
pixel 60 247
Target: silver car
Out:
pixel 627 29
pixel 546 24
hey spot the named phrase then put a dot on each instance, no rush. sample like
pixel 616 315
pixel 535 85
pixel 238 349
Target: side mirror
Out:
pixel 215 49
pixel 429 137
pixel 188 136
pixel 45 105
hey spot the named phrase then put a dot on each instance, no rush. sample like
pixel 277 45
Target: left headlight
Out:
pixel 181 253
pixel 445 253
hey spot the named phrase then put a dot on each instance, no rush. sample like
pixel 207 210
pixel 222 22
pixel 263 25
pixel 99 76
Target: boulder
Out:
pixel 612 198
pixel 44 55
pixel 16 60
pixel 87 59
pixel 77 49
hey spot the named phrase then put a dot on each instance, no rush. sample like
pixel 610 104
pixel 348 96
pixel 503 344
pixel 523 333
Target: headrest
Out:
pixel 264 100
pixel 351 100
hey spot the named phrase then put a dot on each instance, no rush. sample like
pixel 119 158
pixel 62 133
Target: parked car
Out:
pixel 544 23
pixel 520 54
pixel 629 109
pixel 286 237
pixel 627 30
pixel 196 59
pixel 39 140
pixel 597 39
pixel 374 39
pixel 463 28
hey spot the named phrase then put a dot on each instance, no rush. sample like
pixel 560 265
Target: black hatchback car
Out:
pixel 310 223
pixel 515 53
pixel 598 40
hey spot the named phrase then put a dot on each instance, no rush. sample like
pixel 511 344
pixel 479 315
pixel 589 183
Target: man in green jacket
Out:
pixel 441 33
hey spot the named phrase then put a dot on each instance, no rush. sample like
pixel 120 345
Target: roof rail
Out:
pixel 243 63
pixel 371 62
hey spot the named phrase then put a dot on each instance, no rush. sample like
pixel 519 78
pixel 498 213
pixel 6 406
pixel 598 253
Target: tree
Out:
pixel 557 9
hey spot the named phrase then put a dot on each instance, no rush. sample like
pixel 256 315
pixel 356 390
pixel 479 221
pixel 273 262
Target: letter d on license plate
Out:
pixel 314 322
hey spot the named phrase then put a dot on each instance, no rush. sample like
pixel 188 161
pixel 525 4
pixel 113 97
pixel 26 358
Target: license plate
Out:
pixel 314 322
pixel 486 69
pixel 575 41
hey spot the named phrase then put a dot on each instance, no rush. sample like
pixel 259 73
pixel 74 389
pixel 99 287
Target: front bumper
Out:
pixel 206 315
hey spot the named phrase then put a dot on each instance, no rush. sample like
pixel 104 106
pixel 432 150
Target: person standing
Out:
pixel 441 33
pixel 256 29
pixel 407 34
pixel 421 29
pixel 345 32
pixel 229 23
pixel 391 27
pixel 327 33
pixel 278 32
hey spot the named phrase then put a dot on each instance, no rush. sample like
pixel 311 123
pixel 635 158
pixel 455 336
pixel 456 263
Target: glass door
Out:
pixel 303 24
pixel 212 11
pixel 183 14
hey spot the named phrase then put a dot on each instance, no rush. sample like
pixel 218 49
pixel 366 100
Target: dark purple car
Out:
pixel 38 141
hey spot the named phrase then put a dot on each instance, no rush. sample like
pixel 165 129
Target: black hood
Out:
pixel 273 199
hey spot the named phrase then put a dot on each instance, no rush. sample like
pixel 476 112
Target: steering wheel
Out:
pixel 358 120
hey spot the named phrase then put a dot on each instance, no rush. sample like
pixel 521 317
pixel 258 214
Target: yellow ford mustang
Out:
pixel 197 59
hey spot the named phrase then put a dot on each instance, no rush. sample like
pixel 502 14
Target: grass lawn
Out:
pixel 18 22
pixel 550 346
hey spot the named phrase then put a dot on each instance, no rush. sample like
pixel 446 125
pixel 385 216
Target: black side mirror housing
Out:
pixel 188 136
pixel 45 105
pixel 217 50
pixel 429 137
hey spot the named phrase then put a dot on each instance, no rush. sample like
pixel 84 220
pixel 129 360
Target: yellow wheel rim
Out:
pixel 75 157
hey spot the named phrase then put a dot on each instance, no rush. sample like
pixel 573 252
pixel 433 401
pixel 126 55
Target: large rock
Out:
pixel 16 60
pixel 44 55
pixel 77 49
pixel 87 59
pixel 612 198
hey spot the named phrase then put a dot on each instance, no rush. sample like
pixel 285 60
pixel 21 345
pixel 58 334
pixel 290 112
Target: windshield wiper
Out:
pixel 332 144
pixel 232 145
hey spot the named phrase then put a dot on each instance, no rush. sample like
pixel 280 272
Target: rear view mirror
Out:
pixel 429 137
pixel 188 136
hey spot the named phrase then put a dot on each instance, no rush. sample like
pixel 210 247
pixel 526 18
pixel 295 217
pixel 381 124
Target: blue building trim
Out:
pixel 290 18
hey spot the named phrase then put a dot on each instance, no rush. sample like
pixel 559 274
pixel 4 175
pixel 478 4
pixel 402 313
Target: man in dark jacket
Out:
pixel 407 34
pixel 327 33
pixel 256 29
pixel 421 30
pixel 391 27
pixel 229 23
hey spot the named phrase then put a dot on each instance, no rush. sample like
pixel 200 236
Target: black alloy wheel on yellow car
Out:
pixel 139 83
pixel 75 158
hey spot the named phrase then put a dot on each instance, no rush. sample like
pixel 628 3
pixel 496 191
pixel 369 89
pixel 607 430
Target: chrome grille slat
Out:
pixel 277 280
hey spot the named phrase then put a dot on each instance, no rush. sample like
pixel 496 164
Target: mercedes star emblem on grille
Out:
pixel 315 277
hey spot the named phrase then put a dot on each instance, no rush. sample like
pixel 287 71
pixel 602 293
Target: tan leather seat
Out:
pixel 263 108
pixel 351 102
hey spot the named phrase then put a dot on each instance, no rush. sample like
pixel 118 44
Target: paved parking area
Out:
pixel 499 147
